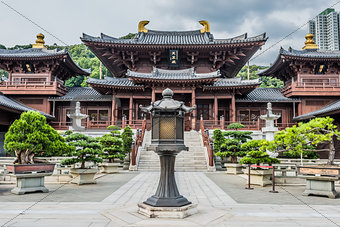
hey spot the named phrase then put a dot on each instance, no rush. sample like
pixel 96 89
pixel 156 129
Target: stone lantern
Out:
pixel 167 141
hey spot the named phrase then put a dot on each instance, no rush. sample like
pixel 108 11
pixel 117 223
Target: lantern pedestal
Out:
pixel 167 194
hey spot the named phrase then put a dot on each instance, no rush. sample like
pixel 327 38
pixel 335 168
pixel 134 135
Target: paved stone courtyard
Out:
pixel 222 201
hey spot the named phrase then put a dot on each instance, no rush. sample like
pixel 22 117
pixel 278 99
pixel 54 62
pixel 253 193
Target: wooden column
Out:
pixel 153 95
pixel 233 108
pixel 193 102
pixel 113 108
pixel 130 110
pixel 294 111
pixel 215 110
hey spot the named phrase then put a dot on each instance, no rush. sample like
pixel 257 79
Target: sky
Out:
pixel 68 19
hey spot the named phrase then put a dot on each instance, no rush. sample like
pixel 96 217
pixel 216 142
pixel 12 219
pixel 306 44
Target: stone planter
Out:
pixel 260 177
pixel 233 168
pixel 30 178
pixel 83 176
pixel 109 167
pixel 320 180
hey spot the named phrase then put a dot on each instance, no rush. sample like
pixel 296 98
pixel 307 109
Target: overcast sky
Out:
pixel 68 19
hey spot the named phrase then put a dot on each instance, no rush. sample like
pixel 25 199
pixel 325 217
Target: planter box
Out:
pixel 30 168
pixel 83 176
pixel 233 168
pixel 30 178
pixel 260 177
pixel 110 167
pixel 322 170
pixel 320 180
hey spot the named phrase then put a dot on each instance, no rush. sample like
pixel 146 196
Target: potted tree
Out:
pixel 306 137
pixel 231 147
pixel 27 138
pixel 256 155
pixel 218 139
pixel 85 149
pixel 111 149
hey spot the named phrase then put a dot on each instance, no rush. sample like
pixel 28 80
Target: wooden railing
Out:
pixel 139 141
pixel 33 85
pixel 206 142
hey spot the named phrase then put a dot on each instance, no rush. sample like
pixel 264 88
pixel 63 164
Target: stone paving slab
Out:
pixel 216 207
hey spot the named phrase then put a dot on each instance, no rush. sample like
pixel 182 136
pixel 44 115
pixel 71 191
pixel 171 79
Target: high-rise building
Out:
pixel 325 28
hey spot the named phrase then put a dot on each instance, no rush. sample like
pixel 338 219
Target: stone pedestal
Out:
pixel 30 182
pixel 109 167
pixel 167 194
pixel 167 212
pixel 320 185
pixel 83 176
pixel 260 177
pixel 233 168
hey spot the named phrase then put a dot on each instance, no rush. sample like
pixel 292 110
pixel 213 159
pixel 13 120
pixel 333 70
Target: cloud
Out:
pixel 69 19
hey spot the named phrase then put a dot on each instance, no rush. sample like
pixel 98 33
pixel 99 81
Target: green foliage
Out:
pixel 305 137
pixel 231 147
pixel 127 139
pixel 2 46
pixel 111 147
pixel 218 139
pixel 258 157
pixel 115 130
pixel 129 36
pixel 30 136
pixel 271 82
pixel 84 149
pixel 306 154
pixel 254 145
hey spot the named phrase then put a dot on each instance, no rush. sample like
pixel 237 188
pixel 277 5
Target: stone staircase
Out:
pixel 193 160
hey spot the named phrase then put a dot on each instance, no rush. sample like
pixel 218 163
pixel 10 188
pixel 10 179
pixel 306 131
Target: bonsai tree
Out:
pixel 306 136
pixel 111 145
pixel 127 140
pixel 232 144
pixel 85 149
pixel 257 157
pixel 31 136
pixel 218 140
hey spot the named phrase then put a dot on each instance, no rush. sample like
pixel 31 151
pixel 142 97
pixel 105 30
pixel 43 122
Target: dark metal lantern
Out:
pixel 167 141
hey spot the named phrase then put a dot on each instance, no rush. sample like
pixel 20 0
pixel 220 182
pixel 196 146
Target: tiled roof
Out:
pixel 324 110
pixel 310 53
pixel 15 105
pixel 82 94
pixel 174 38
pixel 113 81
pixel 265 95
pixel 164 74
pixel 231 82
pixel 38 53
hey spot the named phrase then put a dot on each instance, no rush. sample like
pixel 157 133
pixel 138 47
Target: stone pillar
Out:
pixel 193 102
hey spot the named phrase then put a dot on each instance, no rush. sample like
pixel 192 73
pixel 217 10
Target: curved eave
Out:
pixel 186 81
pixel 33 58
pixel 309 58
pixel 74 66
pixel 230 87
pixel 94 85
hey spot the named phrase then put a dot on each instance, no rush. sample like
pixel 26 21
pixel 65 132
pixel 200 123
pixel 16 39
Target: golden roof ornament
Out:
pixel 141 26
pixel 206 26
pixel 310 44
pixel 39 43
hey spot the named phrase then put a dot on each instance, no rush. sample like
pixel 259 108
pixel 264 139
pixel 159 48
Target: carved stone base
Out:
pixel 32 182
pixel 109 167
pixel 83 176
pixel 167 212
pixel 324 186
pixel 233 168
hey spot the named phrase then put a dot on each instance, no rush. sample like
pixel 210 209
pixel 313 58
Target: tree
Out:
pixel 232 144
pixel 112 144
pixel 31 136
pixel 127 139
pixel 306 136
pixel 218 140
pixel 257 157
pixel 84 149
